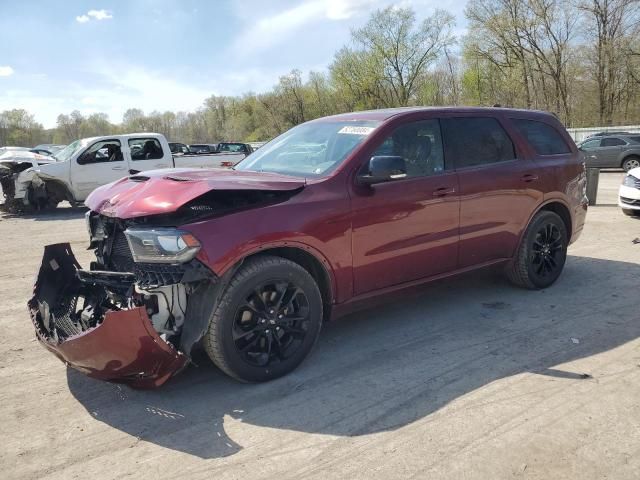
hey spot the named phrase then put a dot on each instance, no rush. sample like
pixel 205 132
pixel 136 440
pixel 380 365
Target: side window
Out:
pixel 473 141
pixel 590 144
pixel 612 142
pixel 544 139
pixel 420 144
pixel 145 149
pixel 102 152
pixel 635 139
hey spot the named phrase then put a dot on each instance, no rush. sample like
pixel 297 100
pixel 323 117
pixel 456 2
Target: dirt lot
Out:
pixel 468 378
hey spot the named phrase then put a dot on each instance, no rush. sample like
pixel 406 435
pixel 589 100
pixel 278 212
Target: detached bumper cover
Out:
pixel 123 348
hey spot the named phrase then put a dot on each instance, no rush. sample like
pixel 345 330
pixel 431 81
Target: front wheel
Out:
pixel 542 253
pixel 266 321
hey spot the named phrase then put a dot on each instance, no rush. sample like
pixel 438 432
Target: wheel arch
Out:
pixel 319 270
pixel 562 211
pixel 628 156
pixel 556 206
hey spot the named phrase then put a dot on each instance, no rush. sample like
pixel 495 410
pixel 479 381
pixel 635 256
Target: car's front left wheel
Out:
pixel 266 321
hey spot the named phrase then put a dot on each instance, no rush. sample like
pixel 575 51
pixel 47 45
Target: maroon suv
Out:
pixel 250 262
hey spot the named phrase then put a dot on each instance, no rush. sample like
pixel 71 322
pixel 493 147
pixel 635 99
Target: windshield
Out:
pixel 309 150
pixel 67 152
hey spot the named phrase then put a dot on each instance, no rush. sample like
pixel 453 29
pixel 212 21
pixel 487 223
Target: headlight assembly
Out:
pixel 161 245
pixel 631 181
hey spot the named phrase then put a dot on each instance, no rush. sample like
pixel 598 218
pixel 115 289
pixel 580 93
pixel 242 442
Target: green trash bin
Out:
pixel 593 177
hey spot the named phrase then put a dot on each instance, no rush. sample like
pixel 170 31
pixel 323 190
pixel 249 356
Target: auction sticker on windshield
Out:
pixel 354 130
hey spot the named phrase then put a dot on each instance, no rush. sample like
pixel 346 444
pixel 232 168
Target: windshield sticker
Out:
pixel 351 130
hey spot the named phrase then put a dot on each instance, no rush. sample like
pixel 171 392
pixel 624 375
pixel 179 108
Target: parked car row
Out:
pixel 612 150
pixel 37 181
pixel 198 148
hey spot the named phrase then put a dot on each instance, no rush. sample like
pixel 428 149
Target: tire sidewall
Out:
pixel 544 219
pixel 624 163
pixel 226 313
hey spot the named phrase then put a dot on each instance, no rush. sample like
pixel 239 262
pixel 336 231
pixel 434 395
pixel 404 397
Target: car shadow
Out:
pixel 64 212
pixel 385 367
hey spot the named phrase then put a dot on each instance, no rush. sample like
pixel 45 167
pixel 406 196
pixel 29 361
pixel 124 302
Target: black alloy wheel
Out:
pixel 547 250
pixel 542 253
pixel 271 324
pixel 266 321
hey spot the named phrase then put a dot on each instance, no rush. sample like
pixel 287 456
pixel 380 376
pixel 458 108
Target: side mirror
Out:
pixel 86 158
pixel 384 168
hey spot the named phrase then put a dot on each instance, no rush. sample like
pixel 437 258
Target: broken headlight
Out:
pixel 161 245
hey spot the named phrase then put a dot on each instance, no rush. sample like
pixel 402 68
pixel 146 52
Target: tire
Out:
pixel 542 253
pixel 631 213
pixel 249 337
pixel 630 162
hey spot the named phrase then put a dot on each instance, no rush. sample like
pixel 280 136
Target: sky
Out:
pixel 111 55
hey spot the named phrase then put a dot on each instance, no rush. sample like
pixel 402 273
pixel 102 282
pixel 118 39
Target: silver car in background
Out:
pixel 612 151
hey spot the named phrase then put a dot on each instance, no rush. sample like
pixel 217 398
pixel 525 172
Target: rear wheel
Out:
pixel 542 253
pixel 267 320
pixel 631 163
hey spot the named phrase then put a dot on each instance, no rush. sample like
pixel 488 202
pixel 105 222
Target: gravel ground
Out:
pixel 466 378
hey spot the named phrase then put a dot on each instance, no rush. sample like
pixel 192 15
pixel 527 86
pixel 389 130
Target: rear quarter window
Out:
pixel 544 139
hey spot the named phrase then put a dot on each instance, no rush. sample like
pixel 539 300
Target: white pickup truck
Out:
pixel 89 163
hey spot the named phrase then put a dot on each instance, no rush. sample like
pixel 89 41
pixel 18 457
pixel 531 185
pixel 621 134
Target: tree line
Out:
pixel 577 58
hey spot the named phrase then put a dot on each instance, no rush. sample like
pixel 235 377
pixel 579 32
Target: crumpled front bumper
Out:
pixel 123 348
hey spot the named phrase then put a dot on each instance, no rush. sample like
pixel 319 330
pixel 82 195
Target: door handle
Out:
pixel 442 191
pixel 117 168
pixel 529 177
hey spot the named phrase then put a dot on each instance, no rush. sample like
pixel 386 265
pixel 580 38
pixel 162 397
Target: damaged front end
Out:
pixel 9 172
pixel 135 315
pixel 23 189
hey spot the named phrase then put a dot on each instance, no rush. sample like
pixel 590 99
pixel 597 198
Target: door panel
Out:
pixel 406 229
pixel 496 202
pixel 99 164
pixel 499 189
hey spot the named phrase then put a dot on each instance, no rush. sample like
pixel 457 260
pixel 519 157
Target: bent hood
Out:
pixel 164 191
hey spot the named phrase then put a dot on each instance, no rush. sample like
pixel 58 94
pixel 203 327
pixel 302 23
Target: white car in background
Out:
pixel 629 193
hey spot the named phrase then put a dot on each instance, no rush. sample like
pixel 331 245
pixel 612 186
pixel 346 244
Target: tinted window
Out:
pixel 544 139
pixel 232 147
pixel 102 152
pixel 203 148
pixel 475 141
pixel 635 139
pixel 612 142
pixel 145 149
pixel 420 144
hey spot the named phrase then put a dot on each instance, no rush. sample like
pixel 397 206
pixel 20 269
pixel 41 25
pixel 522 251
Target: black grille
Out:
pixel 630 201
pixel 62 317
pixel 149 275
pixel 121 259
